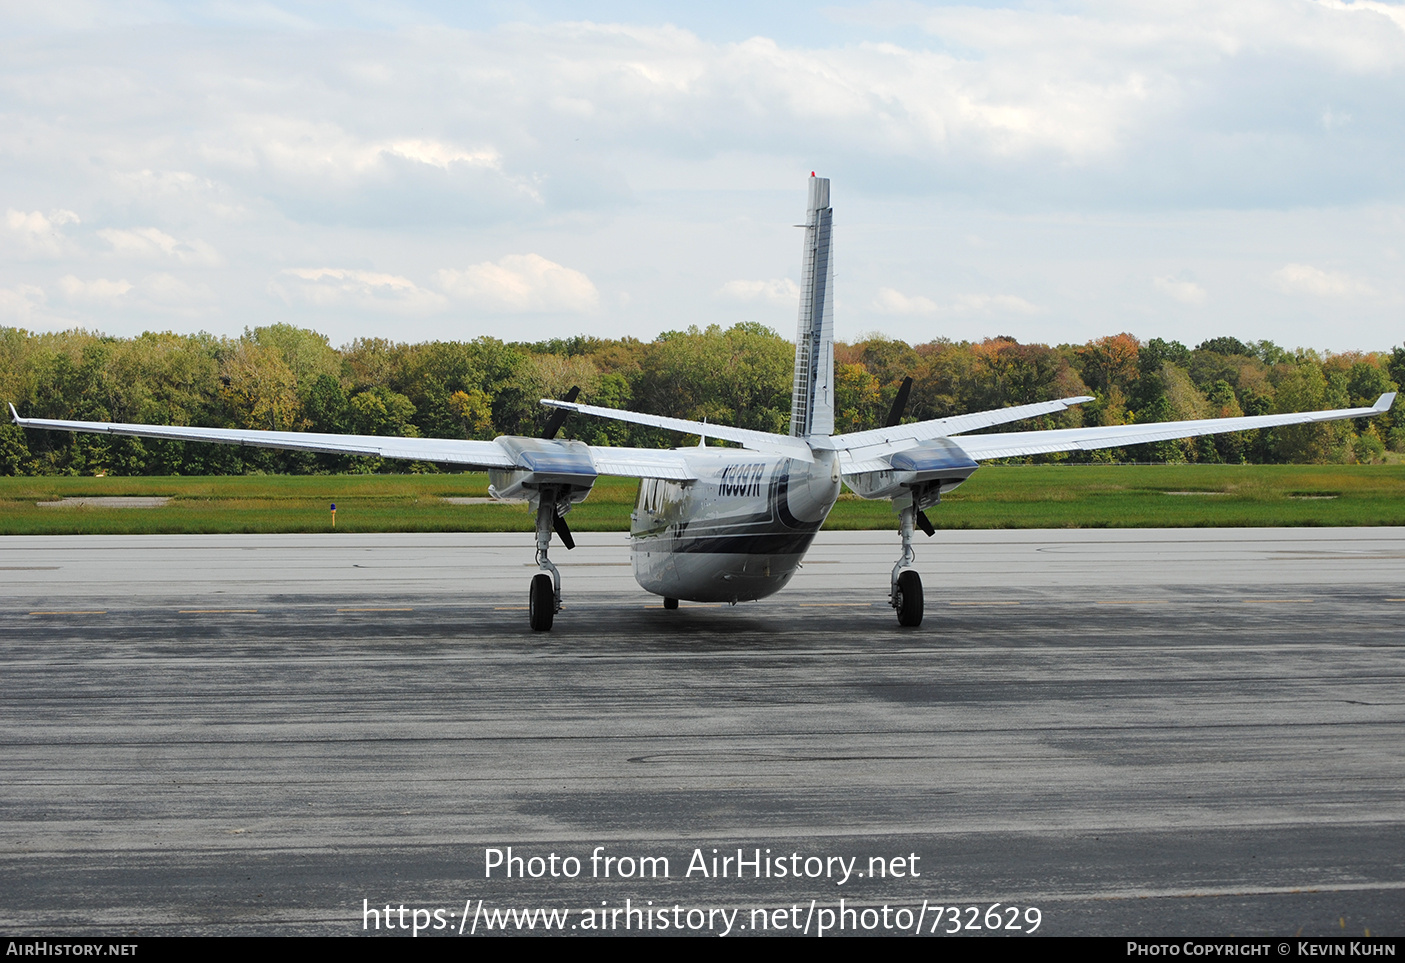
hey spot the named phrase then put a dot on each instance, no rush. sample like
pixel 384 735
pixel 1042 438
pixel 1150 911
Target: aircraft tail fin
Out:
pixel 812 398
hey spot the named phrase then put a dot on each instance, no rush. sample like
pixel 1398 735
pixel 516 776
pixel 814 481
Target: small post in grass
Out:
pixel 334 514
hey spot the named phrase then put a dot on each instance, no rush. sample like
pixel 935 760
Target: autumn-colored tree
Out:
pixel 1110 362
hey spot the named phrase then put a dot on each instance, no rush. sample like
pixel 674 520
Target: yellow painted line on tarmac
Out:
pixel 74 612
pixel 1271 601
pixel 983 603
pixel 511 608
pixel 834 605
pixel 1395 600
pixel 213 611
pixel 375 610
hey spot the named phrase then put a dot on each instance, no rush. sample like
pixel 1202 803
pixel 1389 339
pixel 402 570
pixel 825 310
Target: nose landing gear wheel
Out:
pixel 542 606
pixel 908 600
pixel 670 603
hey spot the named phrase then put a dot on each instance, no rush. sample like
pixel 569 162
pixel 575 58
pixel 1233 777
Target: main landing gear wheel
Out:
pixel 670 603
pixel 905 590
pixel 546 585
pixel 542 607
pixel 908 600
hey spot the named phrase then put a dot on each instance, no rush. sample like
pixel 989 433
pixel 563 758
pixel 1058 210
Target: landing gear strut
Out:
pixel 545 599
pixel 905 593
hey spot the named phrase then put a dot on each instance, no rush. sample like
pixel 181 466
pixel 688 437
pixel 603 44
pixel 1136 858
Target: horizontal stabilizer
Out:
pixel 755 440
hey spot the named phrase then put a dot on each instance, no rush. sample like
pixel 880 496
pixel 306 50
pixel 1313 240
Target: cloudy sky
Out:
pixel 538 169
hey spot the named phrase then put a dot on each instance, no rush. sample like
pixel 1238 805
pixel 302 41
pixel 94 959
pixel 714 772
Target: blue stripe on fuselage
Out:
pixel 773 532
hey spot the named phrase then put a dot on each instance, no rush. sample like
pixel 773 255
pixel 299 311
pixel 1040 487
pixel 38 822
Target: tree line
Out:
pixel 284 378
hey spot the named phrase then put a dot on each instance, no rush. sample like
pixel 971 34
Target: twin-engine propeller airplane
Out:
pixel 730 525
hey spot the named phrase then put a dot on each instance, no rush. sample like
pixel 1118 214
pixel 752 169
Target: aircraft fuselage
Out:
pixel 736 533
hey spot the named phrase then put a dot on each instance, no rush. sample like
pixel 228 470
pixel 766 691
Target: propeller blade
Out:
pixel 924 523
pixel 558 417
pixel 563 530
pixel 895 414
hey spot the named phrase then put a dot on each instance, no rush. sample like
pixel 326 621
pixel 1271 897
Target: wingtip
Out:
pixel 1079 400
pixel 1383 403
pixel 14 415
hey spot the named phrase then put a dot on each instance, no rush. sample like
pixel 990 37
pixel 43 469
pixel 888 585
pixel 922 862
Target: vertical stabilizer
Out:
pixel 812 400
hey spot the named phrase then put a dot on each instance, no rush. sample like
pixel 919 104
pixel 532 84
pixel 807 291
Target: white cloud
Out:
pixel 533 112
pixel 170 292
pixel 97 291
pixel 180 188
pixel 341 165
pixel 159 291
pixel 1306 279
pixel 292 145
pixel 1186 292
pixel 341 287
pixel 1391 11
pixel 992 304
pixel 438 154
pixel 152 244
pixel 890 301
pixel 41 233
pixel 774 291
pixel 1263 125
pixel 19 304
pixel 521 284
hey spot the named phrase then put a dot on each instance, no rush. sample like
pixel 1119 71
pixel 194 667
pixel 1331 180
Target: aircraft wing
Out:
pixel 480 454
pixel 1014 443
pixel 642 463
pixel 628 462
pixel 746 437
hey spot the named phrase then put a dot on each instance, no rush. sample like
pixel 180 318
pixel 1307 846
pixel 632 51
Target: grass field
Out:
pixel 1158 496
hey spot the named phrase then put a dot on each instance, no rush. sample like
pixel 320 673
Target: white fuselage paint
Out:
pixel 736 533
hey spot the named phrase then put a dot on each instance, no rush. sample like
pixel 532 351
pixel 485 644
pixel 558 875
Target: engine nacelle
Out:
pixel 564 466
pixel 928 470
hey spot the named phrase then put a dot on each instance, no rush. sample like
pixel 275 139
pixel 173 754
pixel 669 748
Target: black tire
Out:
pixel 542 606
pixel 909 598
pixel 670 603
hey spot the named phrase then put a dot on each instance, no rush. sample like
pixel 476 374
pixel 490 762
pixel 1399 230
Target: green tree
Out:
pixel 858 400
pixel 741 377
pixel 15 458
pixel 380 411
